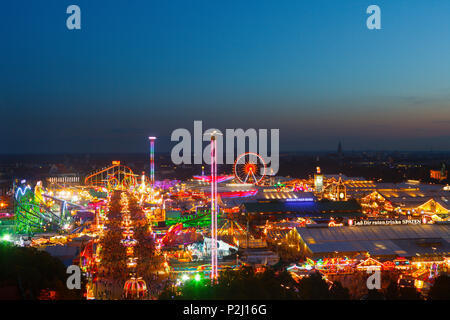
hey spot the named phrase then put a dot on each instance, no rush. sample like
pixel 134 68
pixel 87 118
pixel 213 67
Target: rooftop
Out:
pixel 402 240
pixel 305 208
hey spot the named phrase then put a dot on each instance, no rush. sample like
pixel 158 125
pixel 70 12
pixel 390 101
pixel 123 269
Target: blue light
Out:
pixel 300 200
pixel 22 191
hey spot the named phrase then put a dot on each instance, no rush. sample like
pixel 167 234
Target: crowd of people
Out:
pixel 127 250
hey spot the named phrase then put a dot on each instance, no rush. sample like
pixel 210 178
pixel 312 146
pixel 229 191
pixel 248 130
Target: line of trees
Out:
pixel 246 284
pixel 27 273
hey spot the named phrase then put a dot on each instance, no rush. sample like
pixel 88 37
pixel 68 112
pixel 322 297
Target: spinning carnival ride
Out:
pixel 250 168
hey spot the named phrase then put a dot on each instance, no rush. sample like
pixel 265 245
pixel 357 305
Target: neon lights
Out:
pixel 152 160
pixel 219 179
pixel 300 200
pixel 22 191
pixel 238 194
pixel 250 167
pixel 99 177
pixel 213 209
pixel 232 194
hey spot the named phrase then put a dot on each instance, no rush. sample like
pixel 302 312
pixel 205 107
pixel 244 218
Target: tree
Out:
pixel 338 292
pixel 440 289
pixel 394 292
pixel 237 285
pixel 313 287
pixel 408 293
pixel 34 273
pixel 374 294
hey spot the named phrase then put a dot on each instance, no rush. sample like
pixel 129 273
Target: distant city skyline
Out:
pixel 309 68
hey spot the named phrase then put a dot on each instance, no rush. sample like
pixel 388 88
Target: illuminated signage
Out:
pixel 383 222
pixel 299 199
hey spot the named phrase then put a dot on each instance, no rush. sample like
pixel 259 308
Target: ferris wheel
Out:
pixel 250 168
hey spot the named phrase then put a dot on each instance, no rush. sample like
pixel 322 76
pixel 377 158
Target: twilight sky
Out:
pixel 146 67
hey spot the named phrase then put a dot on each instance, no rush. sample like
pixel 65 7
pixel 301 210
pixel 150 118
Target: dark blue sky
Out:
pixel 310 68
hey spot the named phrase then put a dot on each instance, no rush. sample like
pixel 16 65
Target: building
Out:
pixel 58 174
pixel 292 208
pixel 438 174
pixel 430 200
pixel 64 179
pixel 420 240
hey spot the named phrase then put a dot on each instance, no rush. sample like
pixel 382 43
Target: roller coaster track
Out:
pixel 106 176
pixel 31 216
pixel 45 217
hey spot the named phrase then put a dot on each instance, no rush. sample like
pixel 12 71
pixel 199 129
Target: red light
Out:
pixel 250 168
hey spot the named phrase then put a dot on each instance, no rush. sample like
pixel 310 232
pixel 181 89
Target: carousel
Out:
pixel 135 288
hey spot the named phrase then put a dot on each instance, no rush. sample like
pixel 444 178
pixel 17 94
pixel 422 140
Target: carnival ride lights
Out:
pixel 326 266
pixel 201 250
pixel 219 179
pixel 193 220
pixel 135 288
pixel 128 232
pixel 130 251
pixel 173 231
pixel 214 206
pixel 231 228
pixel 132 262
pixel 250 168
pixel 152 160
pixel 237 194
pixel 32 214
pixel 333 223
pixel 185 277
pixel 112 177
pixel 129 242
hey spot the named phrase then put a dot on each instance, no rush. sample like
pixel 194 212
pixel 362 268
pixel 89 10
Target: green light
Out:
pixel 6 237
pixel 184 277
pixel 197 277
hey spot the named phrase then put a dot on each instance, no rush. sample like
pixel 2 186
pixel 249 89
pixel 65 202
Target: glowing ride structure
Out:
pixel 35 211
pixel 250 168
pixel 152 161
pixel 112 177
pixel 219 179
pixel 214 273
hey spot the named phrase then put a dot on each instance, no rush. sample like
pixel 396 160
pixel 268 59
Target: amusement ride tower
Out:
pixel 214 272
pixel 152 160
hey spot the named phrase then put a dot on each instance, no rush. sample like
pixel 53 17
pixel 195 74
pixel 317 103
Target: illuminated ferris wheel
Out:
pixel 250 168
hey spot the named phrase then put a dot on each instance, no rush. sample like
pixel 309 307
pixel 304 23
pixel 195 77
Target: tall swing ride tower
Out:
pixel 214 272
pixel 152 160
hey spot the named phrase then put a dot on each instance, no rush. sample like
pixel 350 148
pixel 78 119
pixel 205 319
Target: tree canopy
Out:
pixel 246 284
pixel 33 272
